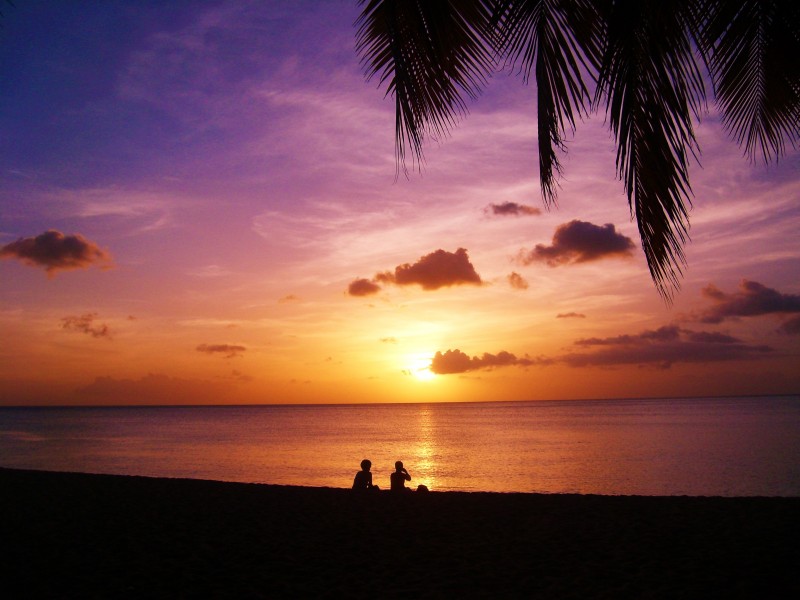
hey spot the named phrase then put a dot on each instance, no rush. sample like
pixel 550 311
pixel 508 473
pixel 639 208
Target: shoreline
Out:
pixel 78 535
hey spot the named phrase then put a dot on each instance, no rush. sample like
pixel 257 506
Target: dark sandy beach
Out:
pixel 101 536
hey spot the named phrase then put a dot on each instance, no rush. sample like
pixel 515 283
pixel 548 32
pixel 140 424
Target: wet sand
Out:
pixel 102 536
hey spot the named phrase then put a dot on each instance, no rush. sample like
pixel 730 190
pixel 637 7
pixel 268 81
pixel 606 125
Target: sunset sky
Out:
pixel 199 204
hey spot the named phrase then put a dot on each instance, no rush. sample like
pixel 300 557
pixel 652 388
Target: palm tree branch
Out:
pixel 429 55
pixel 753 47
pixel 560 43
pixel 653 89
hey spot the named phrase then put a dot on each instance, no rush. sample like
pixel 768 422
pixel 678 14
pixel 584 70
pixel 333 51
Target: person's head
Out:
pixel 398 465
pixel 365 465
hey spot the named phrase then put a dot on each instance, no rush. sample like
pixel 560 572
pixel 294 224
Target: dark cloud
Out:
pixel 578 242
pixel 663 347
pixel 511 209
pixel 570 315
pixel 229 350
pixel 456 361
pixel 288 298
pixel 388 340
pixel 363 287
pixel 517 281
pixel 54 251
pixel 85 324
pixel 752 299
pixel 433 271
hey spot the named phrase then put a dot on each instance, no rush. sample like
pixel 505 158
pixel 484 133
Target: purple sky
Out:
pixel 198 203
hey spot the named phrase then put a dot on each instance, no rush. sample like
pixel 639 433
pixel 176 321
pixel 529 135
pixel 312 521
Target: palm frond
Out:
pixel 560 42
pixel 753 48
pixel 430 55
pixel 653 88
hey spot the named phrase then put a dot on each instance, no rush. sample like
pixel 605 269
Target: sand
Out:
pixel 102 536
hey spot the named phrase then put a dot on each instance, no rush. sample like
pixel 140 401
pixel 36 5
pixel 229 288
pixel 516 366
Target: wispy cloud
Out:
pixel 517 281
pixel 86 324
pixel 227 350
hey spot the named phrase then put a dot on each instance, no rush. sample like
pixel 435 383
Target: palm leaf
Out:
pixel 430 54
pixel 653 88
pixel 560 41
pixel 753 48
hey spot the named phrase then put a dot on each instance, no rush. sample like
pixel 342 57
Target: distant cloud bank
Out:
pixel 432 271
pixel 579 242
pixel 152 389
pixel 53 251
pixel 660 348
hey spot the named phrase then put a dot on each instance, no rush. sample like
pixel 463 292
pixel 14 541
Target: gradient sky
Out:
pixel 198 204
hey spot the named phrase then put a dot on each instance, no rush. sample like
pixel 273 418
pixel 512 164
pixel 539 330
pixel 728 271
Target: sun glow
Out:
pixel 420 368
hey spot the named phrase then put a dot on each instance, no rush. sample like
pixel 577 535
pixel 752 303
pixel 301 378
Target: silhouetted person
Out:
pixel 399 477
pixel 363 479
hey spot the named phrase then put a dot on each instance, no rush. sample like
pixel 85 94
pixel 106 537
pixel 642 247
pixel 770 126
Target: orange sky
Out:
pixel 199 205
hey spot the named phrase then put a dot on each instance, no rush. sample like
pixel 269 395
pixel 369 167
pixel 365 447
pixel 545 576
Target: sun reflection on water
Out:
pixel 424 452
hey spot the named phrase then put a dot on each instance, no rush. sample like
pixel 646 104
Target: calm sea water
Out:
pixel 720 446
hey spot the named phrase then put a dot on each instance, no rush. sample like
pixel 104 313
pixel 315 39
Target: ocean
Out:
pixel 747 446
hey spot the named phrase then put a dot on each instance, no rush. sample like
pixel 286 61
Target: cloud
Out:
pixel 54 251
pixel 435 270
pixel 660 347
pixel 288 298
pixel 363 287
pixel 517 281
pixel 752 299
pixel 456 361
pixel 570 315
pixel 511 209
pixel 663 347
pixel 230 351
pixel 85 324
pixel 578 242
pixel 388 340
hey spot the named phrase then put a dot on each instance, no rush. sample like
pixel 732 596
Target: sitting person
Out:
pixel 399 477
pixel 363 479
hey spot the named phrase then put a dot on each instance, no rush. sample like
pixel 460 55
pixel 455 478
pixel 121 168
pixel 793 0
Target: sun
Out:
pixel 420 367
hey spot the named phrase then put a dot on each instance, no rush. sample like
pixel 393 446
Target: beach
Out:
pixel 69 535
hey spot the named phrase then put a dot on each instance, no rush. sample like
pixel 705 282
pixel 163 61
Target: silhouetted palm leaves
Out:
pixel 641 59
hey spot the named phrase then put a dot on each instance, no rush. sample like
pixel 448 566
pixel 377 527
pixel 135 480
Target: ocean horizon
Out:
pixel 720 446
